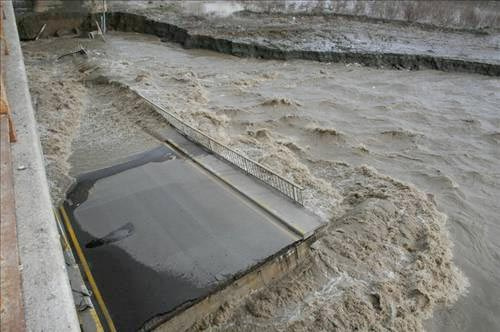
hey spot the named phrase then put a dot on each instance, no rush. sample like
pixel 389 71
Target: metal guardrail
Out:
pixel 286 187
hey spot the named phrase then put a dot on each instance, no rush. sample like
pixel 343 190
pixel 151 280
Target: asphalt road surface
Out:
pixel 159 232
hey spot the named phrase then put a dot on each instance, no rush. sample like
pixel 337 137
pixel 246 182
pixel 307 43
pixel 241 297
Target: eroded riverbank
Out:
pixel 311 36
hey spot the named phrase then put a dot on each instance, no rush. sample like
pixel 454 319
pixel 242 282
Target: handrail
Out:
pixel 261 172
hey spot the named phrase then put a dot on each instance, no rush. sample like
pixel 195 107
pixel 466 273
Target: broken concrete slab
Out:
pixel 160 233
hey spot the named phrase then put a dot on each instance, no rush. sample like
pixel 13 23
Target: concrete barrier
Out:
pixel 47 294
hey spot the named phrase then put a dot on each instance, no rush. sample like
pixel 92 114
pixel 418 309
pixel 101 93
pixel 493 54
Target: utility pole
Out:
pixel 103 17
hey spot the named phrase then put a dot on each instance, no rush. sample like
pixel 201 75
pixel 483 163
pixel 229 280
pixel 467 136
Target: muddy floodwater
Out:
pixel 343 132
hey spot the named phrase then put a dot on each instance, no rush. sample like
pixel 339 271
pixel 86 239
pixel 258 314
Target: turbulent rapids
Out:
pixel 385 259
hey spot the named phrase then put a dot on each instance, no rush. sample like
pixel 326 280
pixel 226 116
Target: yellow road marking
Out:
pixel 67 246
pixel 96 320
pixel 86 269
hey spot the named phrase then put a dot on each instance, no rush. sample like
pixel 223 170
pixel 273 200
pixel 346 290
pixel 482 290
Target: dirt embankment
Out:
pixel 264 43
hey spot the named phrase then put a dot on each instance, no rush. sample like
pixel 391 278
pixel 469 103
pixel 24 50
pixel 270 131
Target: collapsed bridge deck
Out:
pixel 160 232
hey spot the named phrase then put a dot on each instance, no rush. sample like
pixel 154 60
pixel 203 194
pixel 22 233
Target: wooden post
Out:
pixel 2 39
pixel 4 104
pixel 5 109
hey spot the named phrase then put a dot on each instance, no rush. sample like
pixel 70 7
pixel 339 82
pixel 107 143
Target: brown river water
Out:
pixel 438 132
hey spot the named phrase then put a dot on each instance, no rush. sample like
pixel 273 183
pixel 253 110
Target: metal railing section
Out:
pixel 261 172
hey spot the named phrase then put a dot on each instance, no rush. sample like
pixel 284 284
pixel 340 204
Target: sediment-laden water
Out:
pixel 384 155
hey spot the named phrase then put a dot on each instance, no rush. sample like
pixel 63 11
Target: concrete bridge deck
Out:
pixel 159 232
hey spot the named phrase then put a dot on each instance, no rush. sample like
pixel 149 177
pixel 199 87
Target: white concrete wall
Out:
pixel 42 6
pixel 468 14
pixel 457 14
pixel 48 299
